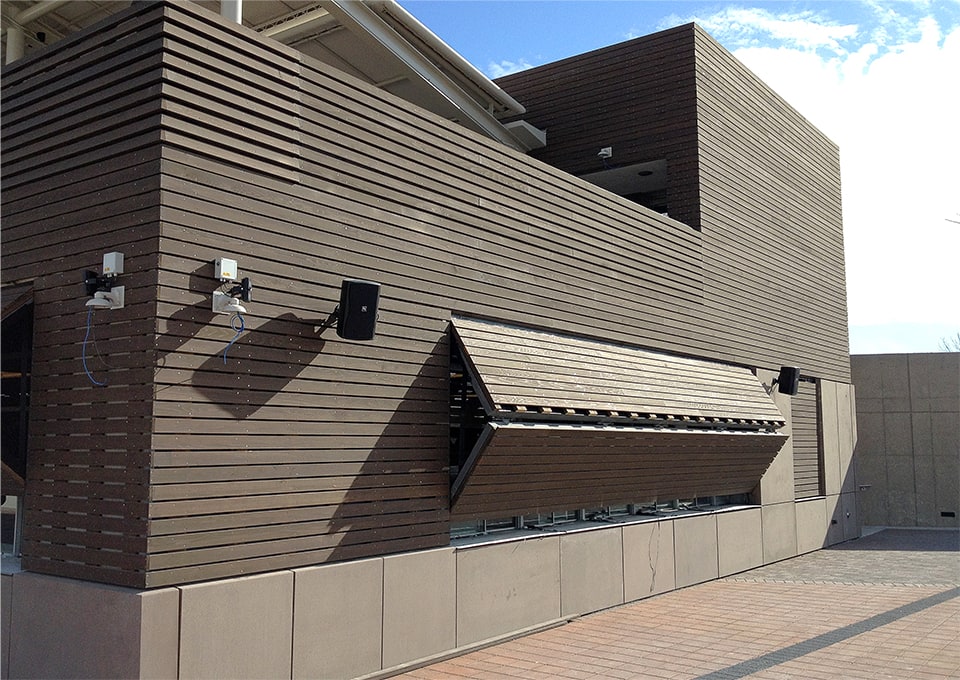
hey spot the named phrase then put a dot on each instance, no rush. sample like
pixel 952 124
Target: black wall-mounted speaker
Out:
pixel 357 317
pixel 788 382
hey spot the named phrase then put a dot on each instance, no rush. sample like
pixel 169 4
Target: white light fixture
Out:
pixel 108 299
pixel 227 304
pixel 104 294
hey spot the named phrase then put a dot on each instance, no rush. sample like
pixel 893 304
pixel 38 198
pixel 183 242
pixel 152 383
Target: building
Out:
pixel 570 398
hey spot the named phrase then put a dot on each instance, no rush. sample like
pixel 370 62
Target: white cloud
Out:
pixel 505 67
pixel 743 27
pixel 891 107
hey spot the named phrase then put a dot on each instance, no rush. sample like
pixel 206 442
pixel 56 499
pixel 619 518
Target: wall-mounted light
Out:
pixel 100 287
pixel 227 300
pixel 356 315
pixel 788 381
pixel 103 295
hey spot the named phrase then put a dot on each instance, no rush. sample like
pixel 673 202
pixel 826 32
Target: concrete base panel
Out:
pixel 338 620
pixel 591 571
pixel 739 541
pixel 648 560
pixel 507 587
pixel 237 628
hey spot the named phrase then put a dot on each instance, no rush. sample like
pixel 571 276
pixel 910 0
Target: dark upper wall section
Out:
pixel 638 97
pixel 744 167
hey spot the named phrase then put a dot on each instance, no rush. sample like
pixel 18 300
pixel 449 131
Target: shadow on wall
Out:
pixel 400 498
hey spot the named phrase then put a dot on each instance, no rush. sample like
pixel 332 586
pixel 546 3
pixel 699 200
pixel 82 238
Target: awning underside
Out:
pixel 523 372
pixel 525 469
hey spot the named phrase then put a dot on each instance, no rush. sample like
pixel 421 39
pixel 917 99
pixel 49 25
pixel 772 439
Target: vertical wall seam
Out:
pixel 293 618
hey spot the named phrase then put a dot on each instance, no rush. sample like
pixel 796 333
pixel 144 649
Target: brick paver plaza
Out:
pixel 883 606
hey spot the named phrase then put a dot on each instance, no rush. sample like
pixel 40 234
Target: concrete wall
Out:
pixel 908 455
pixel 355 618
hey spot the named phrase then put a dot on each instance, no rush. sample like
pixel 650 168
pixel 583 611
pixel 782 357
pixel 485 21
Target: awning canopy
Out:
pixel 520 468
pixel 578 423
pixel 523 372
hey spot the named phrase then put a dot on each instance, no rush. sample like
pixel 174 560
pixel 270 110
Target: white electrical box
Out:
pixel 225 269
pixel 112 264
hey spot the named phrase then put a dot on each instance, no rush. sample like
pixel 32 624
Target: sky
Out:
pixel 881 78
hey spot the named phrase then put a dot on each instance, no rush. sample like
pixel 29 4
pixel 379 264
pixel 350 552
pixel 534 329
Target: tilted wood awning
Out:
pixel 530 468
pixel 582 423
pixel 523 371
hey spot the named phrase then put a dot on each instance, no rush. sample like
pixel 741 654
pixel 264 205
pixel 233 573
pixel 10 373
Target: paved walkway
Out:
pixel 884 606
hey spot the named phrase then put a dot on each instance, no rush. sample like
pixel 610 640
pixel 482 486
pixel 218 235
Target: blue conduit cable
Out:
pixel 238 329
pixel 86 338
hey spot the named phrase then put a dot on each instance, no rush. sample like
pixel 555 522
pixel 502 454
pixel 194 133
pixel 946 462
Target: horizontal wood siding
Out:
pixel 771 220
pixel 81 132
pixel 807 449
pixel 304 448
pixel 638 97
pixel 759 180
pixel 295 447
pixel 539 469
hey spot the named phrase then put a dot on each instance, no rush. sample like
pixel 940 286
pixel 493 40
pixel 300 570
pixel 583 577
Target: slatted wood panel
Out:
pixel 807 449
pixel 771 221
pixel 527 469
pixel 759 180
pixel 304 448
pixel 301 448
pixel 81 126
pixel 637 97
pixel 524 371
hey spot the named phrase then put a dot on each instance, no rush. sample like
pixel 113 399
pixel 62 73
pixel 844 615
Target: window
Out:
pixel 16 360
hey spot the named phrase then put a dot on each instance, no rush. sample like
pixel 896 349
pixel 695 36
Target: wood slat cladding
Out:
pixel 522 371
pixel 807 449
pixel 638 97
pixel 528 469
pixel 300 448
pixel 771 221
pixel 759 180
pixel 81 170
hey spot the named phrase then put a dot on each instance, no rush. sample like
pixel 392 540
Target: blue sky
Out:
pixel 879 77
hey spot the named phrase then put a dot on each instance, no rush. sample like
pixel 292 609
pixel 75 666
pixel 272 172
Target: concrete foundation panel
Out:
pixel 419 605
pixel 648 559
pixel 507 587
pixel 63 628
pixel 338 620
pixel 739 541
pixel 591 571
pixel 237 628
pixel 779 532
pixel 695 540
pixel 811 525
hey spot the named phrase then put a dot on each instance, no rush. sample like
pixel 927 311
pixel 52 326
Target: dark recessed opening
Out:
pixel 948 513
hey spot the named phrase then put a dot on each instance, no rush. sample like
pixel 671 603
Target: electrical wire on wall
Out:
pixel 86 339
pixel 238 325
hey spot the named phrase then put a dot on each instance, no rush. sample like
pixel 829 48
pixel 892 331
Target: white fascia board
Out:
pixel 357 16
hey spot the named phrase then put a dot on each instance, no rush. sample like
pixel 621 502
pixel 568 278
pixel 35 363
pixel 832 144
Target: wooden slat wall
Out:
pixel 530 469
pixel 761 183
pixel 301 448
pixel 771 220
pixel 807 454
pixel 304 448
pixel 637 97
pixel 81 178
